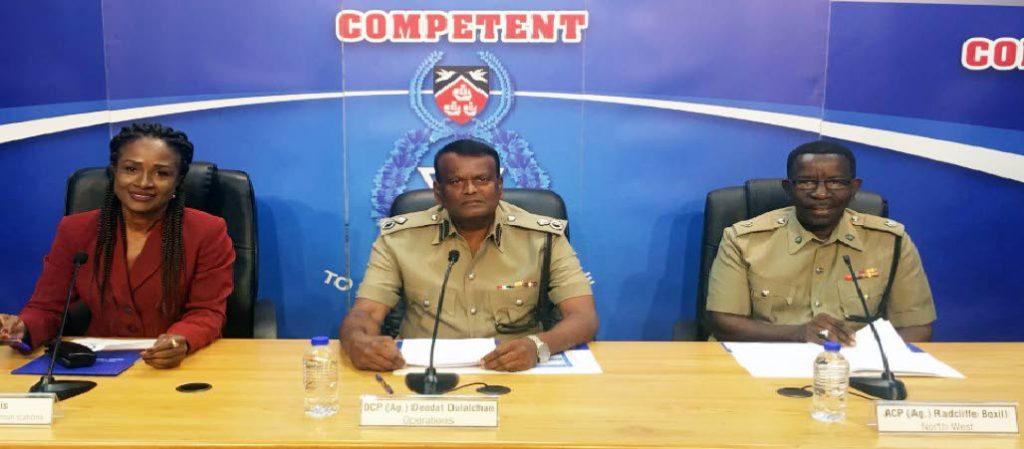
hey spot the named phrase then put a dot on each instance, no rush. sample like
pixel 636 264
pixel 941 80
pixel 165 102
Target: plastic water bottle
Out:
pixel 320 378
pixel 831 378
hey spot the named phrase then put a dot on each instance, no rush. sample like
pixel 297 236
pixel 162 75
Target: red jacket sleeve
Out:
pixel 45 308
pixel 204 313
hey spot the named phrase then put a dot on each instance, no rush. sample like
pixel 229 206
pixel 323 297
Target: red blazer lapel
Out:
pixel 117 286
pixel 149 259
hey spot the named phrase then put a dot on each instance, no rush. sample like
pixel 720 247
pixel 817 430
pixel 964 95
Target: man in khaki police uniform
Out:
pixel 493 288
pixel 781 276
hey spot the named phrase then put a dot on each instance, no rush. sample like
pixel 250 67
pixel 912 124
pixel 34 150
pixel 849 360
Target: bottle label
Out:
pixel 947 417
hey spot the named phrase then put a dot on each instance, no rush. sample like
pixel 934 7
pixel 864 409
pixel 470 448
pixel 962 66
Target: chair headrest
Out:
pixel 199 182
pixel 764 195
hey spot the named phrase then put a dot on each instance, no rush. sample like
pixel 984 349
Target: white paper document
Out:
pixel 574 361
pixel 115 344
pixel 797 359
pixel 447 353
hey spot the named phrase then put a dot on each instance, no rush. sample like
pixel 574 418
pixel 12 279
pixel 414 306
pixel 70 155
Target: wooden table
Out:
pixel 653 394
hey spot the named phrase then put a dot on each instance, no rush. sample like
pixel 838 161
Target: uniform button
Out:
pixel 426 303
pixel 471 276
pixel 798 239
pixel 765 293
pixel 819 270
pixel 127 310
pixel 519 302
pixel 817 303
pixel 472 311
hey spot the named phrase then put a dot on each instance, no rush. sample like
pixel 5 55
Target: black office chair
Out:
pixel 224 193
pixel 535 201
pixel 727 206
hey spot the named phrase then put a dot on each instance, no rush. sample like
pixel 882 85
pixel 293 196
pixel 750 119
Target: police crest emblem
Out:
pixel 461 94
pixel 461 91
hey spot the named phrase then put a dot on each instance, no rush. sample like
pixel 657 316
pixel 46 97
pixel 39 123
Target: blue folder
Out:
pixel 108 363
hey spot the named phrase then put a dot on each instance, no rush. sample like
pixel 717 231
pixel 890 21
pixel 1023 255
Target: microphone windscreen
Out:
pixel 81 257
pixel 453 256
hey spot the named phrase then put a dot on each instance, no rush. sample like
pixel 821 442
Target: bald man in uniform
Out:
pixel 493 288
pixel 781 276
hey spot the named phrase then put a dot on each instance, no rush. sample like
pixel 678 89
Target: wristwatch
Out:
pixel 543 352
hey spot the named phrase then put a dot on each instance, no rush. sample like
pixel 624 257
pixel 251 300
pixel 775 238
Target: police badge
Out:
pixel 461 93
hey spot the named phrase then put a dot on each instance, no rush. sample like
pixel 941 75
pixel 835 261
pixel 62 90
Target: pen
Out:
pixel 384 384
pixel 19 346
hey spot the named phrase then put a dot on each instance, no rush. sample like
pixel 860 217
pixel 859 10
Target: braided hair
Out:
pixel 111 219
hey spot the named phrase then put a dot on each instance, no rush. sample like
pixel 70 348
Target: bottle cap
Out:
pixel 832 346
pixel 319 340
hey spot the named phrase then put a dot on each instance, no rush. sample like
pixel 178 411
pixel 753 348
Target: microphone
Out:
pixel 887 386
pixel 64 389
pixel 430 382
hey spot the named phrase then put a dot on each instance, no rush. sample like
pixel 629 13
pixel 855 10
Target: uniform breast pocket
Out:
pixel 424 303
pixel 770 300
pixel 850 301
pixel 513 308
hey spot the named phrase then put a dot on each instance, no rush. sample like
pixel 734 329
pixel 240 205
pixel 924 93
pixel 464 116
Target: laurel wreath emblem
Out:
pixel 520 163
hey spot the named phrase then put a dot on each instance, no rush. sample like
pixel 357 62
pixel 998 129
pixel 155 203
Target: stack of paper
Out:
pixel 463 357
pixel 447 353
pixel 115 344
pixel 797 359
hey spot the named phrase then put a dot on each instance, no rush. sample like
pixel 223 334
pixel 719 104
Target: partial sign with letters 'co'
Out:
pixel 947 417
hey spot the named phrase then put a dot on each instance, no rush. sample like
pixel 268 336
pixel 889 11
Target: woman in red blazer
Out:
pixel 157 268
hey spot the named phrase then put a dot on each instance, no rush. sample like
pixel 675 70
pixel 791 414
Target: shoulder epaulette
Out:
pixel 877 223
pixel 520 218
pixel 764 222
pixel 409 221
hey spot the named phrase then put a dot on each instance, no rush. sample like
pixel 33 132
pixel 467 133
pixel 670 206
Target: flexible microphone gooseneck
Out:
pixel 887 386
pixel 430 382
pixel 64 389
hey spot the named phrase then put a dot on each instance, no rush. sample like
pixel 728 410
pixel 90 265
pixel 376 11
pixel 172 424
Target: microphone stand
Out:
pixel 887 386
pixel 64 389
pixel 430 381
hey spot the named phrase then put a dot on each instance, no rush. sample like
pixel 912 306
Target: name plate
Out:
pixel 947 417
pixel 429 411
pixel 26 409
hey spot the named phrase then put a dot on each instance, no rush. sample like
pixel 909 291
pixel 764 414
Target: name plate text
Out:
pixel 429 411
pixel 26 409
pixel 947 417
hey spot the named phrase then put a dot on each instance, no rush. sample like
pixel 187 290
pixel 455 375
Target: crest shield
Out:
pixel 461 92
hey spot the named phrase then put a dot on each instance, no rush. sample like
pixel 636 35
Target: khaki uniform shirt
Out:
pixel 772 269
pixel 498 284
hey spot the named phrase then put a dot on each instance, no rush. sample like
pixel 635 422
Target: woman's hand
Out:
pixel 12 333
pixel 167 352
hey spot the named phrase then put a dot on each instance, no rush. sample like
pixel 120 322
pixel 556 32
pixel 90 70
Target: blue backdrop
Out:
pixel 660 102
